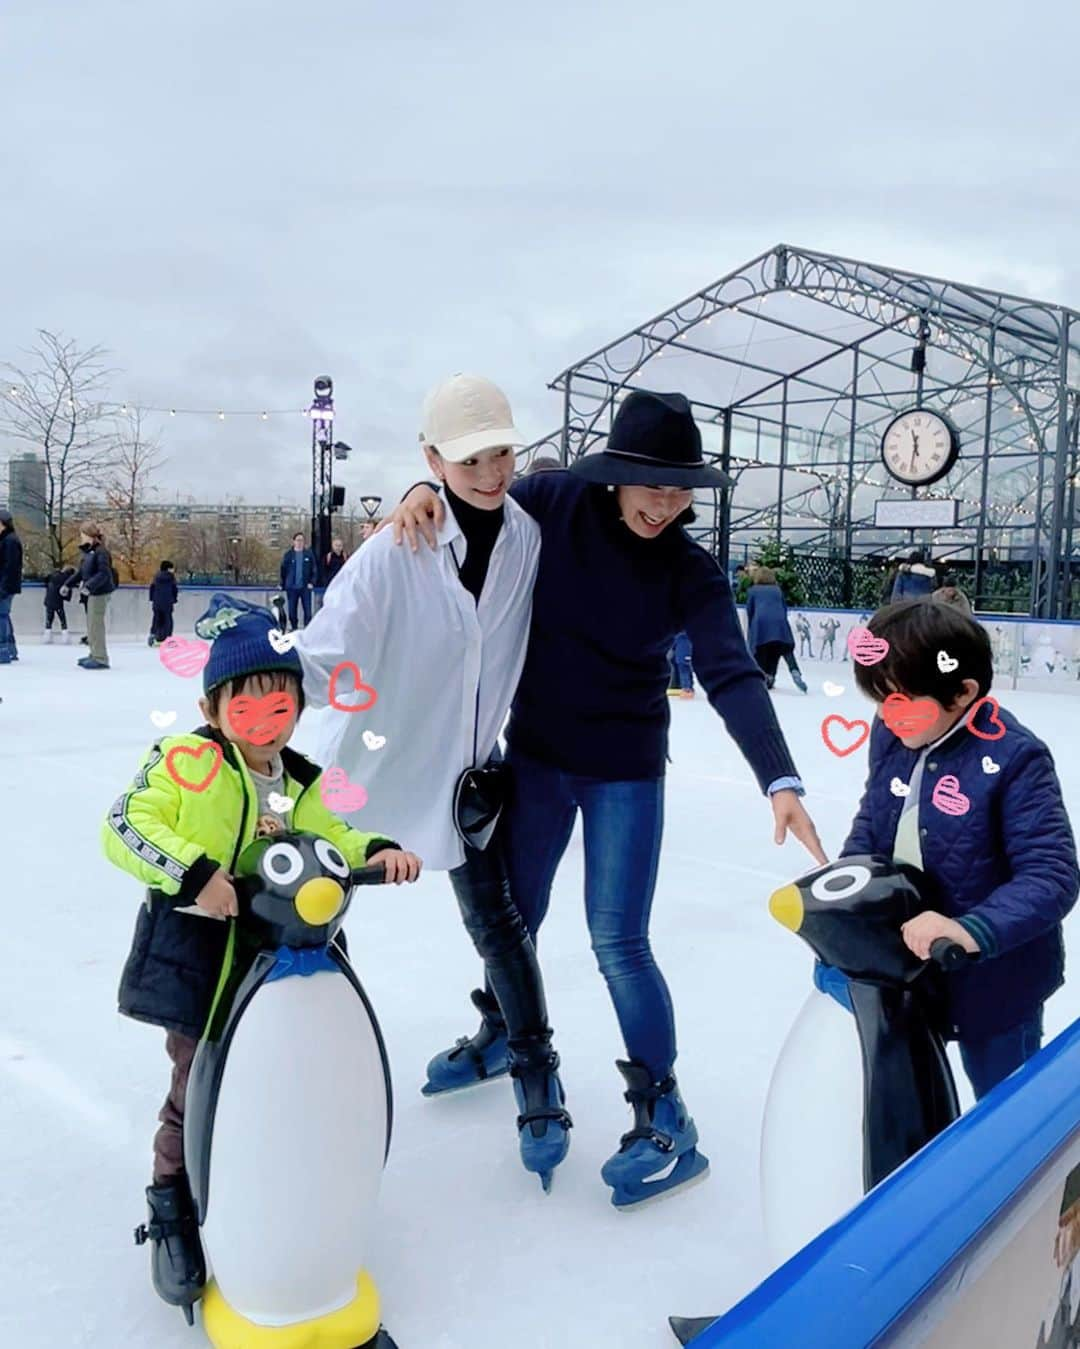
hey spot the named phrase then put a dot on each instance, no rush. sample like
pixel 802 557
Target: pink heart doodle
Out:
pixel 184 656
pixel 339 794
pixel 948 797
pixel 865 647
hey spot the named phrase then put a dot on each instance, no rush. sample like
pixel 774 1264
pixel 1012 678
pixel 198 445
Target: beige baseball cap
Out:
pixel 466 414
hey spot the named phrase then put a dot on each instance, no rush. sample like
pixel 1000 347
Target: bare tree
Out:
pixel 52 402
pixel 127 491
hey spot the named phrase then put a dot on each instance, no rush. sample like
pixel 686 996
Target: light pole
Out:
pixel 234 560
pixel 321 413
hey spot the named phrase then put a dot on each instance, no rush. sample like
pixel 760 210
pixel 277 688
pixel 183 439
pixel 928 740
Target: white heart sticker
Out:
pixel 280 805
pixel 989 766
pixel 899 788
pixel 162 719
pixel 832 690
pixel 373 741
pixel 946 663
pixel 282 641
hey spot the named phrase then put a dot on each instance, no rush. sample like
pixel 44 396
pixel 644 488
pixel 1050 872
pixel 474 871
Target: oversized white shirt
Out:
pixel 444 667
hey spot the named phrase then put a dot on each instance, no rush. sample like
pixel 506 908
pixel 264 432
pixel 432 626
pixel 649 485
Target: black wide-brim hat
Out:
pixel 654 442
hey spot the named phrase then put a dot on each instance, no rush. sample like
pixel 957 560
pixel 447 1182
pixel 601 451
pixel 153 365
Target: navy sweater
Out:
pixel 606 607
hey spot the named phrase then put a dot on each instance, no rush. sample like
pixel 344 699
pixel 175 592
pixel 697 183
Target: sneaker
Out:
pixel 91 664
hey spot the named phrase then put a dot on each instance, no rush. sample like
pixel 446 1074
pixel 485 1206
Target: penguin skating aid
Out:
pixel 288 1115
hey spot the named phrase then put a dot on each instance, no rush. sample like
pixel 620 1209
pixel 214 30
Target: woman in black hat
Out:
pixel 618 578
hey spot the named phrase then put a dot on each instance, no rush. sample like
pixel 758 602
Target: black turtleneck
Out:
pixel 481 529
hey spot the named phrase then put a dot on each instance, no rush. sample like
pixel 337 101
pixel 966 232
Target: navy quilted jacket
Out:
pixel 766 617
pixel 1008 866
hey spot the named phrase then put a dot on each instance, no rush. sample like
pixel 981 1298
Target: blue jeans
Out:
pixel 8 650
pixel 623 826
pixel 988 1061
pixel 679 657
pixel 304 597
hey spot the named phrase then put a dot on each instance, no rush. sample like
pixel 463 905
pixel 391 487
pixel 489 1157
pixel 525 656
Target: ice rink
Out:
pixel 473 1255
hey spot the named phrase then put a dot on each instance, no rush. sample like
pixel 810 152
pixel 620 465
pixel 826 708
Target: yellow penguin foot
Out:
pixel 354 1326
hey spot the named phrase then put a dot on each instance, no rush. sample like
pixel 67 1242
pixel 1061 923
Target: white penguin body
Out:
pixel 811 1139
pixel 297 1152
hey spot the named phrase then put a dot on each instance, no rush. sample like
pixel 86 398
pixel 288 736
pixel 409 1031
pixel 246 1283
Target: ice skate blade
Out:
pixel 429 1091
pixel 648 1194
pixel 546 1177
pixel 687 1328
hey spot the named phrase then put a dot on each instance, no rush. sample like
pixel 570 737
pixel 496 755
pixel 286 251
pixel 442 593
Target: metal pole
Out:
pixel 1061 452
pixel 848 530
pixel 724 542
pixel 564 446
pixel 780 473
pixel 980 535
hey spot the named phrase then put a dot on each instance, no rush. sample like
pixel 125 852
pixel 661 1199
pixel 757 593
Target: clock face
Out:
pixel 919 447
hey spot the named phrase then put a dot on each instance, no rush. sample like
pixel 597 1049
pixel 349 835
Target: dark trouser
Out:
pixel 989 1060
pixel 55 609
pixel 169 1139
pixel 768 657
pixel 504 945
pixel 679 658
pixel 8 650
pixel 303 597
pixel 623 826
pixel 161 624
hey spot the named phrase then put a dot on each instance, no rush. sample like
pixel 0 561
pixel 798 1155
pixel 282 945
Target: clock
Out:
pixel 919 446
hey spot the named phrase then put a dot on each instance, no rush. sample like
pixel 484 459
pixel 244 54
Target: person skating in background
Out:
pixel 97 577
pixel 915 579
pixel 860 622
pixel 164 593
pixel 334 560
pixel 298 573
pixel 806 642
pixel 181 843
pixel 829 627
pixel 1005 871
pixel 768 632
pixel 11 570
pixel 682 671
pixel 57 585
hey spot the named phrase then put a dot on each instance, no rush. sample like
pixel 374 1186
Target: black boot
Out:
pixel 176 1262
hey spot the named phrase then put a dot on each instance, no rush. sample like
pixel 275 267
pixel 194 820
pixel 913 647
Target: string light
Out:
pixel 221 416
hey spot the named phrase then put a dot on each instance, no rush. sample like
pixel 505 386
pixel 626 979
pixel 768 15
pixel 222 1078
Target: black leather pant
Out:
pixel 503 943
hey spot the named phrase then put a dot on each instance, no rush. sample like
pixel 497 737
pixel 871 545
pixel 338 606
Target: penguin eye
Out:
pixel 840 883
pixel 331 859
pixel 282 864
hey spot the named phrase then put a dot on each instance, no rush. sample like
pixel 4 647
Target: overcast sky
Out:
pixel 234 196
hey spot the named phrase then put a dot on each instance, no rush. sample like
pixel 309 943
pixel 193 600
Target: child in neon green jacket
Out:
pixel 196 802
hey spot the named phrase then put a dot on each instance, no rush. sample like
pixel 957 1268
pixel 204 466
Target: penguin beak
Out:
pixel 786 906
pixel 318 900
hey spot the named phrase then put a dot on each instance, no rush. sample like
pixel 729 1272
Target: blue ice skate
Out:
pixel 660 1151
pixel 475 1059
pixel 543 1124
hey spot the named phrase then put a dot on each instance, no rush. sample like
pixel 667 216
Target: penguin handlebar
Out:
pixel 949 955
pixel 372 875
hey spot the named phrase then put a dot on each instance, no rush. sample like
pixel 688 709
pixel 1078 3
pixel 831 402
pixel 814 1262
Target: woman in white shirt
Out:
pixel 442 639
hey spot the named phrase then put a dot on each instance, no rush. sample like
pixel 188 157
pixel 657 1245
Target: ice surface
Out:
pixel 472 1253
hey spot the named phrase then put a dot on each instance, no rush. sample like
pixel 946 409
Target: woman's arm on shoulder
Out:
pixel 347 626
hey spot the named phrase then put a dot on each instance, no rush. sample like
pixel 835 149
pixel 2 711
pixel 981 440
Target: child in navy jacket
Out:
pixel 984 820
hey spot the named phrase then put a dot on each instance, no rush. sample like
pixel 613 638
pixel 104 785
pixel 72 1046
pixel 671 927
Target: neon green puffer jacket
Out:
pixel 174 839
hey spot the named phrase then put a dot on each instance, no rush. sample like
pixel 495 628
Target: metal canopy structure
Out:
pixel 795 364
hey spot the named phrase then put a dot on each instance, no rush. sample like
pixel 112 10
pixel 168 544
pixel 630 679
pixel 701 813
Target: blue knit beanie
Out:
pixel 240 637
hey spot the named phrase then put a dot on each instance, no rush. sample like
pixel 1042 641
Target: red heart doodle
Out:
pixel 995 720
pixel 261 720
pixel 909 716
pixel 216 758
pixel 863 728
pixel 361 687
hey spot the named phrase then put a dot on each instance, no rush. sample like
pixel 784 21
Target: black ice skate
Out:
pixel 177 1266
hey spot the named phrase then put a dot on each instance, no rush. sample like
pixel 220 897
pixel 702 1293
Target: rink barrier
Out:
pixel 969 1244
